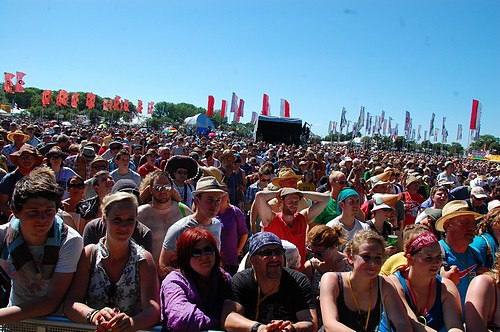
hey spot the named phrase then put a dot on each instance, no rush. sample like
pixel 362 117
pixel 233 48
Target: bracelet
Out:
pixel 255 327
pixel 90 315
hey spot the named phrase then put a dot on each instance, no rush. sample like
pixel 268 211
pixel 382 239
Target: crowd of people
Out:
pixel 125 229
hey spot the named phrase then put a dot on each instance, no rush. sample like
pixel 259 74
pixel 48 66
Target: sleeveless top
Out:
pixel 353 319
pixel 434 317
pixel 125 294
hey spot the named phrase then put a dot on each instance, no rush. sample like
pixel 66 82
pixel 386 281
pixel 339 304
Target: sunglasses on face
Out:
pixel 99 167
pixel 317 253
pixel 208 250
pixel 271 253
pixel 76 185
pixel 342 183
pixel 165 187
pixel 26 157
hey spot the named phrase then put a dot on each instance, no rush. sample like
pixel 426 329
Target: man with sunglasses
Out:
pixel 163 210
pixel 264 177
pixel 269 296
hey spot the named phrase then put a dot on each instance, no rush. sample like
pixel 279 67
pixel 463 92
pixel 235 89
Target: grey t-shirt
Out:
pixel 175 231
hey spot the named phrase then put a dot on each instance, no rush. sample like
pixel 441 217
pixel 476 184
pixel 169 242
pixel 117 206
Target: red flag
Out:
pixel 285 109
pixel 239 113
pixel 210 108
pixel 223 109
pixel 139 106
pixel 90 103
pixel 7 85
pixel 150 107
pixel 62 98
pixel 46 95
pixel 125 105
pixel 20 82
pixel 473 116
pixel 265 105
pixel 116 104
pixel 74 100
pixel 105 104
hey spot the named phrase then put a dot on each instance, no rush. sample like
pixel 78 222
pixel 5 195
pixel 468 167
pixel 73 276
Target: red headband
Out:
pixel 425 239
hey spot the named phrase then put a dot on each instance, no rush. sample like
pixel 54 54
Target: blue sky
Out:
pixel 418 56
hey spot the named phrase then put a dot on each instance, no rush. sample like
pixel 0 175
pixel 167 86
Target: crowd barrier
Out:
pixel 53 324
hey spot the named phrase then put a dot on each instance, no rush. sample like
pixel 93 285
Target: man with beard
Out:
pixel 162 212
pixel 290 224
pixel 268 296
pixel 207 198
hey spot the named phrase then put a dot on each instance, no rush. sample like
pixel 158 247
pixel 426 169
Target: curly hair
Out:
pixel 491 219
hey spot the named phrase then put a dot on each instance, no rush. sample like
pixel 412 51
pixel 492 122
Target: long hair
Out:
pixel 486 225
pixel 185 246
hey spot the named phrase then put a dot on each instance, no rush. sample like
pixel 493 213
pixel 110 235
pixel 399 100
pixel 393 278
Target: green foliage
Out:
pixel 492 143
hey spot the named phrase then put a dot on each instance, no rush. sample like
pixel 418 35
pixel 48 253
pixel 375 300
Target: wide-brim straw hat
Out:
pixel 228 154
pixel 285 174
pixel 185 162
pixel 454 209
pixel 212 171
pixel 10 136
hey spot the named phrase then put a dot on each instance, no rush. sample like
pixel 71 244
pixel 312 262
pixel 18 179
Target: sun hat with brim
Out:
pixel 382 178
pixel 56 150
pixel 151 152
pixel 115 143
pixel 228 154
pixel 389 199
pixel 285 174
pixel 262 239
pixel 208 184
pixel 478 192
pixel 290 191
pixel 212 171
pixel 185 162
pixel 411 180
pixel 29 149
pixel 88 152
pixel 493 204
pixel 18 132
pixel 98 159
pixel 381 206
pixel 454 209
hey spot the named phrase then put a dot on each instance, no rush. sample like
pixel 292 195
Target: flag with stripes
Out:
pixel 254 118
pixel 367 128
pixel 285 109
pixel 234 103
pixel 210 107
pixel 361 118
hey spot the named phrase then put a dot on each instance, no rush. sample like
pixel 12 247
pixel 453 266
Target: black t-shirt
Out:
pixel 95 230
pixel 294 295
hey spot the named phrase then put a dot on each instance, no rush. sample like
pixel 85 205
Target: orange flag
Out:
pixel 7 85
pixel 125 105
pixel 116 105
pixel 62 98
pixel 74 100
pixel 139 106
pixel 105 104
pixel 90 103
pixel 20 82
pixel 46 95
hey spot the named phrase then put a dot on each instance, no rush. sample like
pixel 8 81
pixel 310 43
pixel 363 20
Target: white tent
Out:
pixel 199 120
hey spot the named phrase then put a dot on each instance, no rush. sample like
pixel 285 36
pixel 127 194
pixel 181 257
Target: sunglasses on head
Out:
pixel 208 250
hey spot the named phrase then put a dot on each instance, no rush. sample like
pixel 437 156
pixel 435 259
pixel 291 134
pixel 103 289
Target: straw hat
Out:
pixel 18 132
pixel 212 171
pixel 454 209
pixel 284 174
pixel 228 154
pixel 208 184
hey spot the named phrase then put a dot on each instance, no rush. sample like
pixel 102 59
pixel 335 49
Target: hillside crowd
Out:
pixel 125 229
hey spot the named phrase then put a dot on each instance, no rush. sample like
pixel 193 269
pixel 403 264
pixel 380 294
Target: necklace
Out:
pixel 414 301
pixel 356 301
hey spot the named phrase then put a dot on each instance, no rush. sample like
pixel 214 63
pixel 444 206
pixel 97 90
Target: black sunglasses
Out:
pixel 208 250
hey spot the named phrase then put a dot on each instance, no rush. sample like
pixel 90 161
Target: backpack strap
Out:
pixel 489 253
pixel 181 207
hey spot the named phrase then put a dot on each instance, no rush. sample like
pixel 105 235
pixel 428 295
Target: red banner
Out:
pixel 210 108
pixel 105 104
pixel 20 82
pixel 90 103
pixel 62 98
pixel 139 106
pixel 223 108
pixel 74 100
pixel 151 106
pixel 473 116
pixel 116 104
pixel 285 109
pixel 125 105
pixel 265 105
pixel 46 95
pixel 7 85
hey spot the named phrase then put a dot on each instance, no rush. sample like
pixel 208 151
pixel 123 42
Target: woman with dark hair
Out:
pixel 75 188
pixel 191 298
pixel 307 182
pixel 55 158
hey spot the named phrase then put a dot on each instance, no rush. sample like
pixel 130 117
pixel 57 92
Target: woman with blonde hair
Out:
pixel 116 285
pixel 359 299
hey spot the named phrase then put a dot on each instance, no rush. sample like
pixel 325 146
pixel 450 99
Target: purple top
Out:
pixel 182 307
pixel 233 227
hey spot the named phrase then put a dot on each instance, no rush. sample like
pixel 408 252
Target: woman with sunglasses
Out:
pixel 116 284
pixel 359 299
pixel 322 244
pixel 55 158
pixel 192 297
pixel 432 302
pixel 75 189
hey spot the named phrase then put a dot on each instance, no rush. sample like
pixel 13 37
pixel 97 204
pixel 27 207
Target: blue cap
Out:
pixel 261 239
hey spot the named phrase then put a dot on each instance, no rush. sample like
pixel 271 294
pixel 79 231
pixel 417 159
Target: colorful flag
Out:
pixel 444 132
pixel 459 132
pixel 74 100
pixel 334 128
pixel 407 123
pixel 223 109
pixel 7 85
pixel 126 105
pixel 367 128
pixel 361 118
pixel 46 96
pixel 151 106
pixel 473 116
pixel 382 118
pixel 62 98
pixel 265 105
pixel 116 103
pixel 431 129
pixel 139 106
pixel 239 113
pixel 354 129
pixel 210 107
pixel 418 133
pixel 19 85
pixel 390 129
pixel 285 109
pixel 436 133
pixel 343 120
pixel 254 118
pixel 105 104
pixel 234 103
pixel 90 102
pixel 384 130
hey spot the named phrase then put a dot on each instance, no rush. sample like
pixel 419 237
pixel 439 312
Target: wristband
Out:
pixel 91 315
pixel 255 327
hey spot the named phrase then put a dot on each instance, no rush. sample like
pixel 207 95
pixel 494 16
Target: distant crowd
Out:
pixel 125 229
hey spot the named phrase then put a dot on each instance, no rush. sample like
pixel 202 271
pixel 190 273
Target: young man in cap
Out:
pixel 123 171
pixel 461 261
pixel 447 174
pixel 290 224
pixel 477 200
pixel 269 296
pixel 207 197
pixel 80 163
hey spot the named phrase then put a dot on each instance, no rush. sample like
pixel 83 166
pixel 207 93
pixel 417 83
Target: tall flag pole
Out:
pixel 361 119
pixel 407 124
pixel 418 133
pixel 343 120
pixel 431 129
